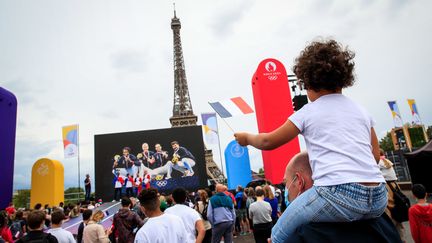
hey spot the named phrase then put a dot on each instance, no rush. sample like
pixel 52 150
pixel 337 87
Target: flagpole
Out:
pixel 79 175
pixel 220 151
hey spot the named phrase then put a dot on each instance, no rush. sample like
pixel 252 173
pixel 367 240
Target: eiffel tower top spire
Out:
pixel 182 110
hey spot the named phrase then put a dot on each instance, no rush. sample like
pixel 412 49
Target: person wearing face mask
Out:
pixel 298 179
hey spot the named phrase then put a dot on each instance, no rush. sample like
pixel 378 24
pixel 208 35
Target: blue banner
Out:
pixel 237 165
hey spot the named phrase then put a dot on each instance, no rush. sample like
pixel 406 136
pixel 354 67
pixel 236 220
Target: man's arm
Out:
pixel 199 226
pixel 210 213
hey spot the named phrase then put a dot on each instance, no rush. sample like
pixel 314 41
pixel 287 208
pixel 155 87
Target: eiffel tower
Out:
pixel 182 110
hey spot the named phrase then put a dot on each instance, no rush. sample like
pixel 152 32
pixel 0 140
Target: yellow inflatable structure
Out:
pixel 47 182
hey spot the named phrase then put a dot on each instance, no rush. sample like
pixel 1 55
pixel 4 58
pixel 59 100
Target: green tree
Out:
pixel 429 132
pixel 21 199
pixel 386 143
pixel 261 171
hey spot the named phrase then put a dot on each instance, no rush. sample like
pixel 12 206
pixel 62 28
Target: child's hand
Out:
pixel 241 138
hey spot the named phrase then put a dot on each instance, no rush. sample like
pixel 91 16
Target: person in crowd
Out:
pixel 118 185
pixel 183 160
pixel 10 209
pixel 74 211
pixel 221 215
pixel 270 198
pixel 5 232
pixel 136 208
pixel 387 170
pixel 87 186
pixel 160 227
pixel 35 225
pixel 420 216
pixel 201 206
pixel 61 206
pixel 85 219
pixel 163 203
pixel 94 232
pixel 62 235
pixel 260 213
pixel 191 218
pixel 342 144
pixel 241 199
pixel 18 226
pixel 126 222
pixel 229 194
pixel 251 198
pixel 137 184
pixel 129 185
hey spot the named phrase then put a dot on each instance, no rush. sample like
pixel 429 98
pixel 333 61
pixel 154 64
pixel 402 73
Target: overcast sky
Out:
pixel 107 65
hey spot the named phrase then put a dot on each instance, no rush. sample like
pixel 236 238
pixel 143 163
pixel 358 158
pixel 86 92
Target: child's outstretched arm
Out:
pixel 375 145
pixel 271 140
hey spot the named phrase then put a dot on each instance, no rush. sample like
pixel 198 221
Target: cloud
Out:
pixel 223 23
pixel 129 60
pixel 26 153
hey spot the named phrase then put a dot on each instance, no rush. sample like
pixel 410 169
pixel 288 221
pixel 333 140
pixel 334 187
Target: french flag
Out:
pixel 231 107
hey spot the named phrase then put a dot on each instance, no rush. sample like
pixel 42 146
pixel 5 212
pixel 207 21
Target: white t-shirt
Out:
pixel 161 229
pixel 337 133
pixel 62 235
pixel 388 172
pixel 189 217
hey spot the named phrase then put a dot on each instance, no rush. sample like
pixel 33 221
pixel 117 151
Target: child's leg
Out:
pixel 299 212
pixel 354 201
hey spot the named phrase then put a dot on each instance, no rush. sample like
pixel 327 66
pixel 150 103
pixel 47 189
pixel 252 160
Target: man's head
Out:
pixel 87 214
pixel 38 206
pixel 126 202
pixel 175 145
pixel 36 220
pixel 298 175
pixel 126 151
pixel 179 195
pixel 149 200
pixel 419 191
pixel 87 176
pixel 57 217
pixel 145 146
pixel 220 188
pixel 259 192
pixel 239 188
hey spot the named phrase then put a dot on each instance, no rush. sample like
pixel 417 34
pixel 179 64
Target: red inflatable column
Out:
pixel 273 106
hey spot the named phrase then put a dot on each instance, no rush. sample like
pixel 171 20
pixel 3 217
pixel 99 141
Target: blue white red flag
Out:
pixel 231 107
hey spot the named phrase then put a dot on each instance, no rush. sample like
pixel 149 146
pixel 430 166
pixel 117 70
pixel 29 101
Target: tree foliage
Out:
pixel 21 199
pixel 386 143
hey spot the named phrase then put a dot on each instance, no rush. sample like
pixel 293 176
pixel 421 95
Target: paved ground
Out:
pixel 407 237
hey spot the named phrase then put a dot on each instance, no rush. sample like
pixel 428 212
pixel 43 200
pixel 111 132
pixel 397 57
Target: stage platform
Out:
pixel 109 209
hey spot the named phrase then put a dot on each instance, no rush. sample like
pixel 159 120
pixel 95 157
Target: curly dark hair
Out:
pixel 325 65
pixel 149 199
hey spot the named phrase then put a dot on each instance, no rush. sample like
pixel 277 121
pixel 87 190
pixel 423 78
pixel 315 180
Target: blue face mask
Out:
pixel 287 202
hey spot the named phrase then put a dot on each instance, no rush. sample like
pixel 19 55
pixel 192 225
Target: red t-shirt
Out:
pixel 420 219
pixel 6 234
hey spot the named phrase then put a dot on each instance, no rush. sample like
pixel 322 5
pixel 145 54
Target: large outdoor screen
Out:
pixel 170 158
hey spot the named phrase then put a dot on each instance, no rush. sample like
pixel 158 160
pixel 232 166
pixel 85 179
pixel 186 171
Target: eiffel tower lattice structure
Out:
pixel 182 110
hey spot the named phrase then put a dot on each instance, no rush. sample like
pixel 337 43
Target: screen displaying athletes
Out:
pixel 164 159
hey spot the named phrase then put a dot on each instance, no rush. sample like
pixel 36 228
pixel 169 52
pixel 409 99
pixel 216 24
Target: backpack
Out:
pixel 204 212
pixel 400 211
pixel 16 229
